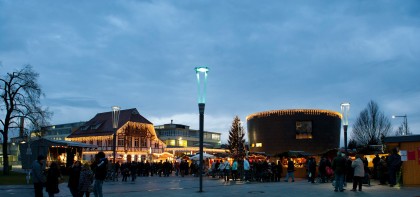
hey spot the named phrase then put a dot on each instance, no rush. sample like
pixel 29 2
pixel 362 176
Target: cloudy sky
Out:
pixel 262 55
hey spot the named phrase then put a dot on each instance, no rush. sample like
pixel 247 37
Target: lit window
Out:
pixel 172 142
pixel 252 145
pixel 303 130
pixel 120 141
pixel 143 142
pixel 258 145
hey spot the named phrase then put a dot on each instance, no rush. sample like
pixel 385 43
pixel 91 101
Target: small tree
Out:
pixel 401 130
pixel 236 139
pixel 20 98
pixel 370 126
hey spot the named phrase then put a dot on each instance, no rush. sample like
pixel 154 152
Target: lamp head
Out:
pixel 115 108
pixel 201 73
pixel 115 116
pixel 393 116
pixel 201 69
pixel 345 107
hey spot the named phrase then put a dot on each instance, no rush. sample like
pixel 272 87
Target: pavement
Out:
pixel 189 186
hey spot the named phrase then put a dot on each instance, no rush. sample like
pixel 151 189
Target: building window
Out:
pixel 137 142
pixel 258 145
pixel 109 142
pixel 120 141
pixel 156 145
pixel 90 141
pixel 303 130
pixel 99 143
pixel 129 142
pixel 143 142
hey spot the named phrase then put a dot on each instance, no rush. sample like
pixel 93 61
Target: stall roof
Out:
pixel 405 138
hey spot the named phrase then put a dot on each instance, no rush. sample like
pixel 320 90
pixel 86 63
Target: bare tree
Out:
pixel 402 130
pixel 370 126
pixel 20 97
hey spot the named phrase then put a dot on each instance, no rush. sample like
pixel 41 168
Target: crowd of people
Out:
pixel 87 178
pixel 357 171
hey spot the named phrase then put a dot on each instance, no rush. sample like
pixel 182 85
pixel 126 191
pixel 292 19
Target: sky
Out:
pixel 262 55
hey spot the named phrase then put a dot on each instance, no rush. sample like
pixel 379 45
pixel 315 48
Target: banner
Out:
pixel 411 155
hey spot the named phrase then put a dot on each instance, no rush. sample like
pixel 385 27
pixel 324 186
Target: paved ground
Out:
pixel 189 186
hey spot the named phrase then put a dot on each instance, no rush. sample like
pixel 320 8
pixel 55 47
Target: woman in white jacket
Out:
pixel 359 173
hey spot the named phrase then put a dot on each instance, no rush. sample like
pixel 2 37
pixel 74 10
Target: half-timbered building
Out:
pixel 136 138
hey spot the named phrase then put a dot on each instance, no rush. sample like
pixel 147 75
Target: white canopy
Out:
pixel 205 156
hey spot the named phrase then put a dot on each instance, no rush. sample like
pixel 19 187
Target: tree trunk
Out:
pixel 5 156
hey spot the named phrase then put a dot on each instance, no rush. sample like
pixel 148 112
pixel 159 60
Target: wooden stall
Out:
pixel 409 149
pixel 62 152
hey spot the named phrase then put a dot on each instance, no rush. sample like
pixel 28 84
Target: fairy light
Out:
pixel 289 112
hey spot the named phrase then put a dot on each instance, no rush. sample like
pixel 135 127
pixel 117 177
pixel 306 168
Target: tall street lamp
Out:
pixel 115 119
pixel 201 73
pixel 345 108
pixel 405 123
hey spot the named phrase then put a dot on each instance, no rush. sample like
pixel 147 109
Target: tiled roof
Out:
pixel 101 124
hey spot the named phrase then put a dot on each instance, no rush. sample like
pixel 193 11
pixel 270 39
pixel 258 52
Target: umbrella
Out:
pixel 205 156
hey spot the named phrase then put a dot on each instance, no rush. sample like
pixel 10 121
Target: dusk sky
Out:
pixel 262 55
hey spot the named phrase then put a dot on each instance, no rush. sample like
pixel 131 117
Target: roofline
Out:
pixel 293 112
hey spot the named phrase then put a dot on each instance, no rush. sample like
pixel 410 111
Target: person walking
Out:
pixel 226 173
pixel 38 175
pixel 74 176
pixel 53 177
pixel 235 170
pixel 359 173
pixel 85 181
pixel 339 167
pixel 100 174
pixel 246 169
pixel 290 170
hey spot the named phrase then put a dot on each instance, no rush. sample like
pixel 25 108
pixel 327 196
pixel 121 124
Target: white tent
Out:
pixel 205 156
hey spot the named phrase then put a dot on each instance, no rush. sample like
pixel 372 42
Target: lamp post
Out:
pixel 345 108
pixel 115 119
pixel 405 123
pixel 201 73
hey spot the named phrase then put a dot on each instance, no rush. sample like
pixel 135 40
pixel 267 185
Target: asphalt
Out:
pixel 189 186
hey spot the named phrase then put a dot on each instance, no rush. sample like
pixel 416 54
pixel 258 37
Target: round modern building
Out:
pixel 278 131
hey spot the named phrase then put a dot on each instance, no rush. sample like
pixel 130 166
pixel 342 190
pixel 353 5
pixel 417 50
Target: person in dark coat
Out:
pixel 312 169
pixel 85 181
pixel 53 177
pixel 339 167
pixel 382 171
pixel 290 170
pixel 100 173
pixel 375 162
pixel 394 165
pixel 39 179
pixel 74 175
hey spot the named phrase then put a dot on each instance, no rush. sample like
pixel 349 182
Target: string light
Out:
pixel 294 112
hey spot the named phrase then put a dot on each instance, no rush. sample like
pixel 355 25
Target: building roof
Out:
pixel 290 112
pixel 101 124
pixel 405 138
